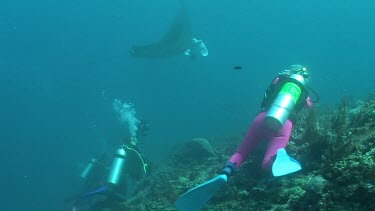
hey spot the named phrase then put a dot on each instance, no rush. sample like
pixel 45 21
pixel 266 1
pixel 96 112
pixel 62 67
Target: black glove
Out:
pixel 229 169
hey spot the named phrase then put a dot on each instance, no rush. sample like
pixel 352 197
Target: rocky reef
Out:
pixel 336 149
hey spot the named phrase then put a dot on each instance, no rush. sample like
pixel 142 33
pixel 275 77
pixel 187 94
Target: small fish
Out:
pixel 237 67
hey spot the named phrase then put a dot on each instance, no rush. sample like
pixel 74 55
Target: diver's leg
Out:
pixel 252 138
pixel 276 140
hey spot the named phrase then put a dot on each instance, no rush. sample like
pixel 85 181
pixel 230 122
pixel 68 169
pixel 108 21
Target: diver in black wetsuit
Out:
pixel 106 183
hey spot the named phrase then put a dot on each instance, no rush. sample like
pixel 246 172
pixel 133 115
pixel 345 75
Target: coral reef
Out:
pixel 194 151
pixel 335 148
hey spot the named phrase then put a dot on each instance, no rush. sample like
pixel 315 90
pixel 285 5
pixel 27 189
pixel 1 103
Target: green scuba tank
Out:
pixel 88 168
pixel 117 167
pixel 284 102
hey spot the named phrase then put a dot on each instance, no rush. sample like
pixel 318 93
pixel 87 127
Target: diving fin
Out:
pixel 188 52
pixel 195 198
pixel 202 49
pixel 284 164
pixel 201 46
pixel 95 192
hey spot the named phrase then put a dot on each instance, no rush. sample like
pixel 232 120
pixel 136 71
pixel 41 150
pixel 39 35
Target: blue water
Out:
pixel 63 63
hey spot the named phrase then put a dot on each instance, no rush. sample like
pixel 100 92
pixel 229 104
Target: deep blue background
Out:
pixel 63 62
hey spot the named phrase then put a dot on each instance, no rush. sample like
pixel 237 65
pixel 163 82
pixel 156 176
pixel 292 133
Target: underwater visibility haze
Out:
pixel 71 90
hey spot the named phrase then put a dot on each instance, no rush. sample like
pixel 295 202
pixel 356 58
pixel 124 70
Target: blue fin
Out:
pixel 195 198
pixel 95 192
pixel 284 164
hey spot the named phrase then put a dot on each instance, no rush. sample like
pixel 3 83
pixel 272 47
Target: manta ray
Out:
pixel 178 40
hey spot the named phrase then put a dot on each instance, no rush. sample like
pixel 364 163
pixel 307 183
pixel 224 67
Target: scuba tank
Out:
pixel 285 102
pixel 117 166
pixel 88 168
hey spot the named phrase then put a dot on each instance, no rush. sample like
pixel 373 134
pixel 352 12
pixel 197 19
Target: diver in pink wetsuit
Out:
pixel 266 125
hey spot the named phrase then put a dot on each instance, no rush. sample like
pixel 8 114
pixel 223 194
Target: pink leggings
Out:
pixel 259 132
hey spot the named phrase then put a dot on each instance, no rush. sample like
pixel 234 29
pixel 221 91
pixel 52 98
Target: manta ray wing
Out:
pixel 176 41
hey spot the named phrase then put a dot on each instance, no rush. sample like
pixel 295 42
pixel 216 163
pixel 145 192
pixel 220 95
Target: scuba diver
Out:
pixel 197 48
pixel 119 182
pixel 94 172
pixel 283 99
